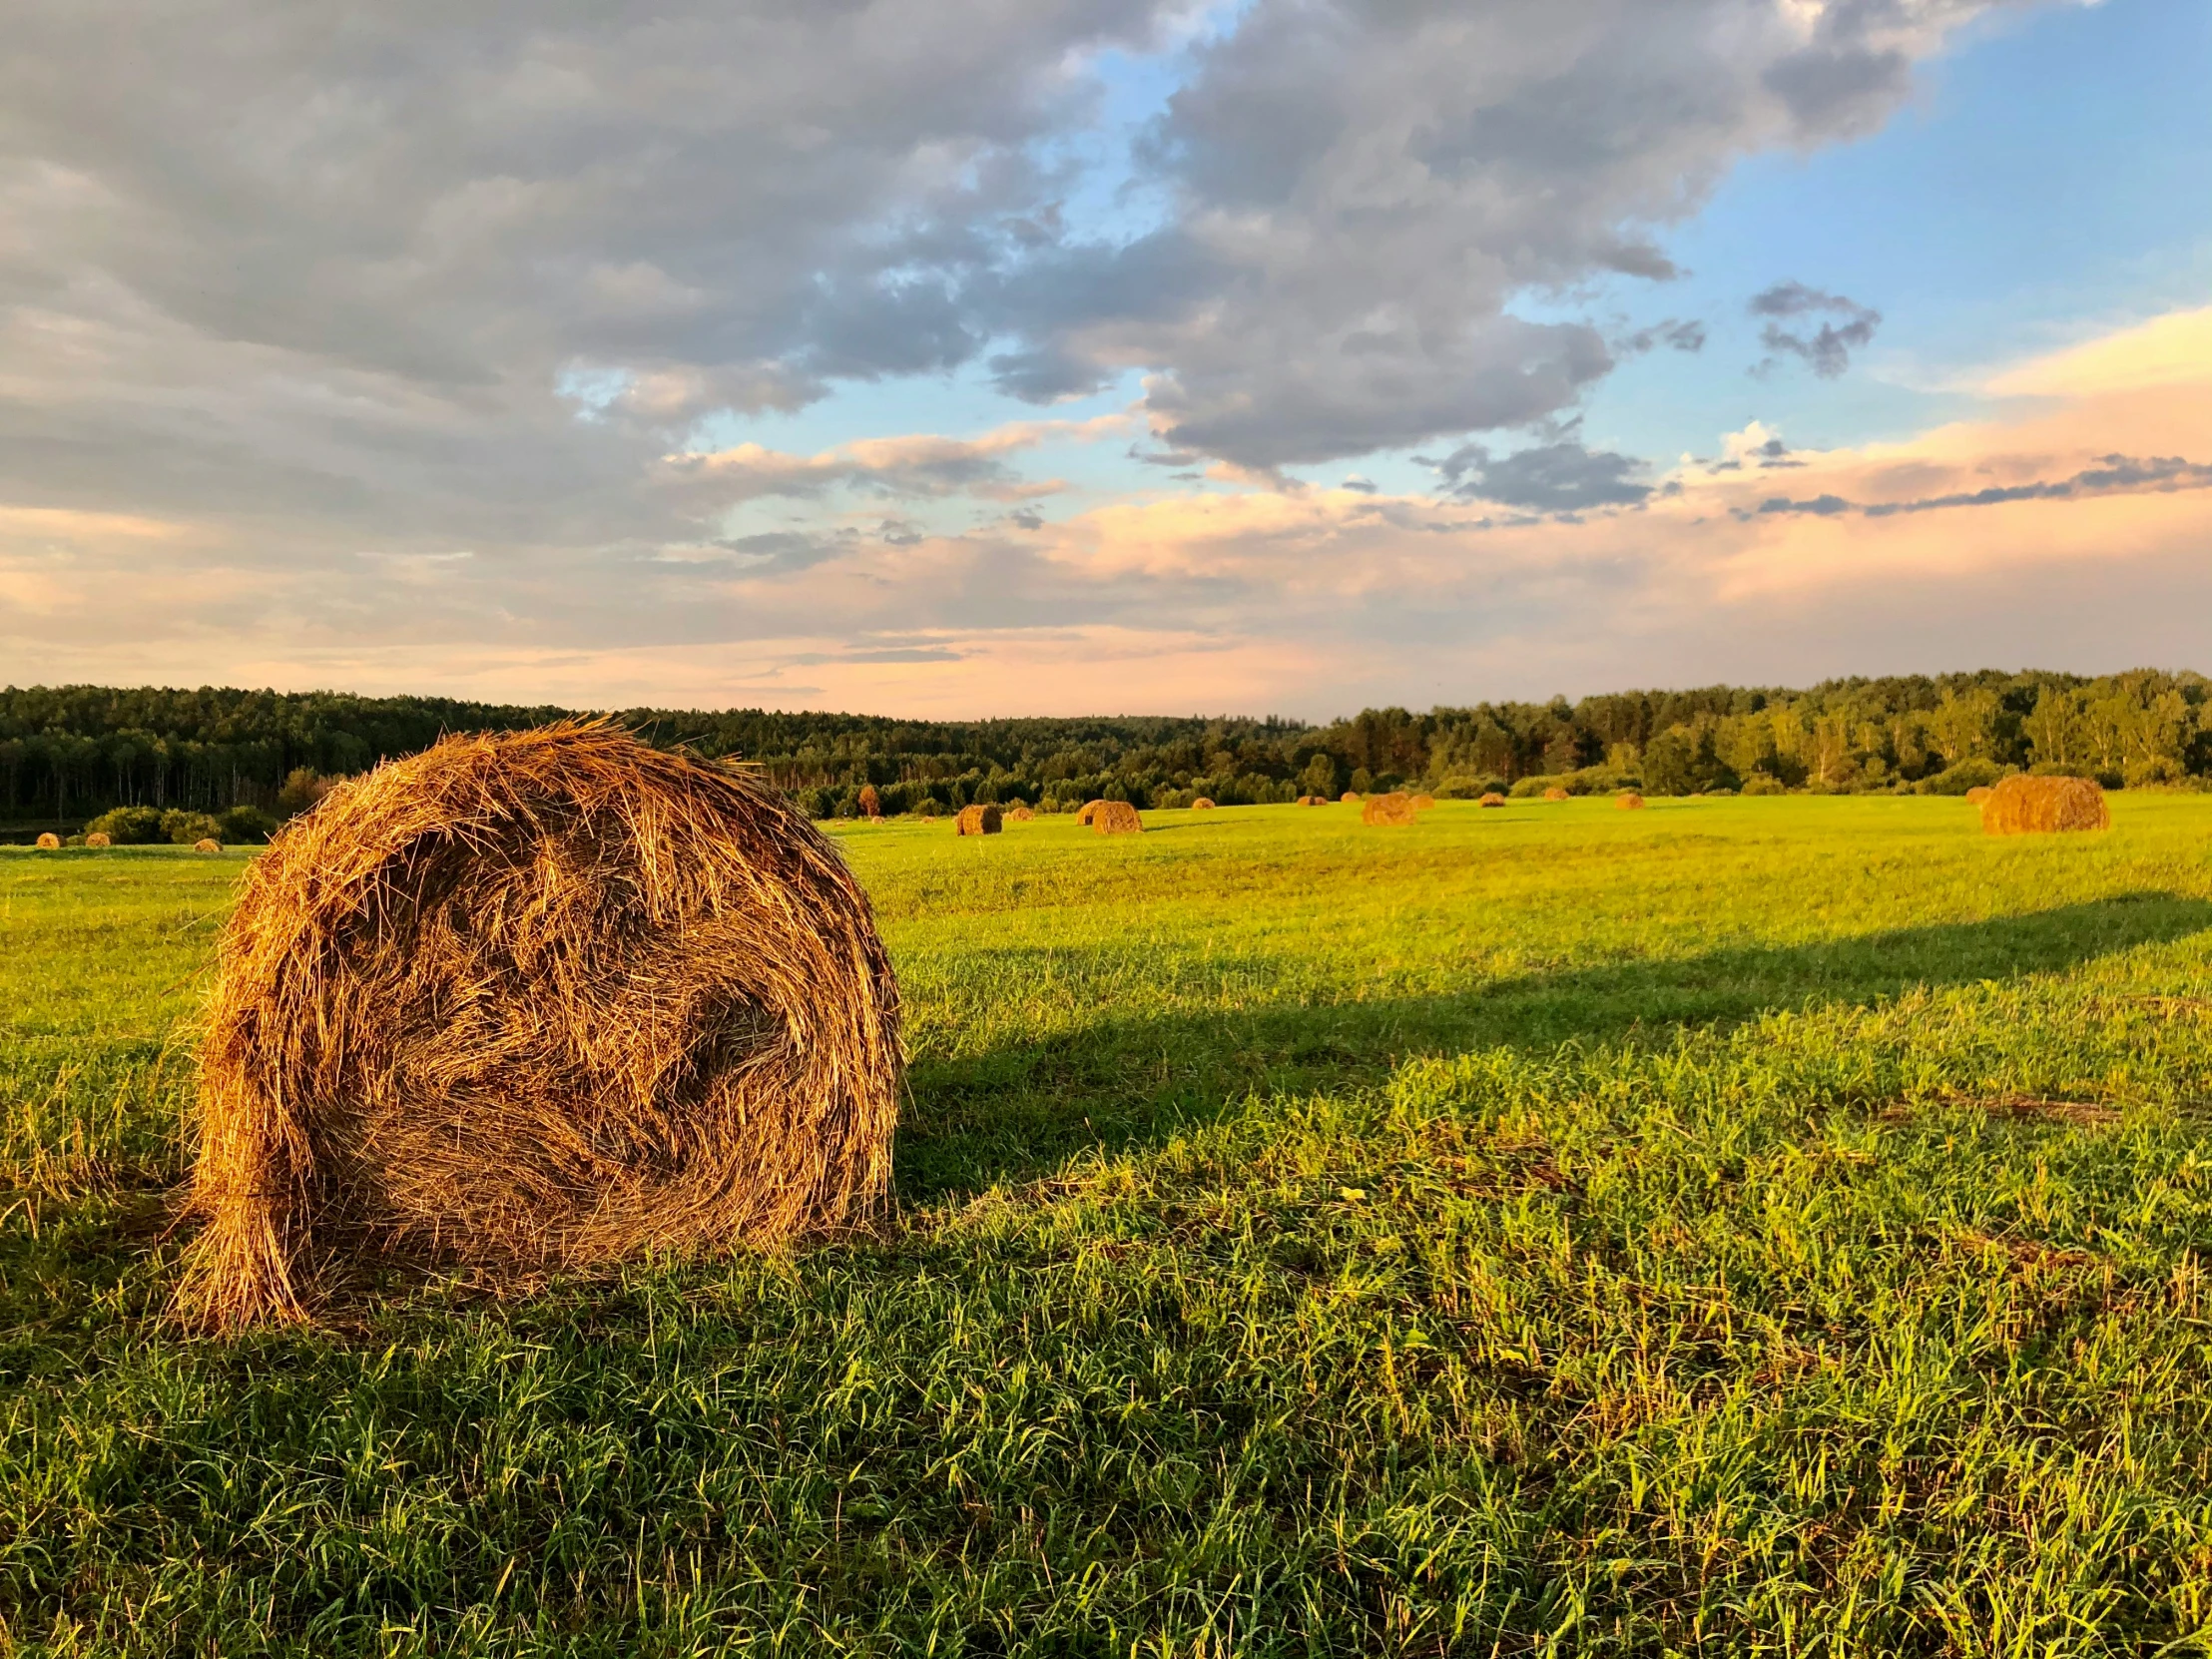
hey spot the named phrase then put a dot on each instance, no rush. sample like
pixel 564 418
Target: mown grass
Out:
pixel 1755 1226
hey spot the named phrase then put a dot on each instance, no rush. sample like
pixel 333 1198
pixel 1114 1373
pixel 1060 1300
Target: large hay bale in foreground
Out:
pixel 206 843
pixel 981 818
pixel 2025 805
pixel 1395 808
pixel 1202 804
pixel 1555 793
pixel 1494 798
pixel 1087 811
pixel 536 1000
pixel 49 840
pixel 1977 795
pixel 1116 817
pixel 1629 801
pixel 99 837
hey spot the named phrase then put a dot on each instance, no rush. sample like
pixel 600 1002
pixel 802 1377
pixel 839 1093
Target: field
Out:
pixel 1771 1226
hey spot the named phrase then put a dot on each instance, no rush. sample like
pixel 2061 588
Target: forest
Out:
pixel 71 752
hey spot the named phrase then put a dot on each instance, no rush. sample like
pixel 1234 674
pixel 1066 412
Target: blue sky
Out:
pixel 612 359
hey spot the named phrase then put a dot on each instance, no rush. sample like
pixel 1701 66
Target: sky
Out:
pixel 975 358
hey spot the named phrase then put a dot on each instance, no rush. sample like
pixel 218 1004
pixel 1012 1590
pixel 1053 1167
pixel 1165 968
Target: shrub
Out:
pixel 185 828
pixel 1974 773
pixel 1764 782
pixel 130 826
pixel 243 825
pixel 303 788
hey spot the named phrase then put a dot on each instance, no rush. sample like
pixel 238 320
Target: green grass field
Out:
pixel 1748 1225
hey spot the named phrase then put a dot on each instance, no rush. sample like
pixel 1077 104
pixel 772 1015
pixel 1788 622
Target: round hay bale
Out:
pixel 1392 810
pixel 1555 793
pixel 1116 817
pixel 1021 814
pixel 531 1000
pixel 1348 797
pixel 1977 795
pixel 99 837
pixel 206 843
pixel 1087 811
pixel 49 840
pixel 1421 803
pixel 1630 801
pixel 1494 798
pixel 981 818
pixel 1202 804
pixel 2025 805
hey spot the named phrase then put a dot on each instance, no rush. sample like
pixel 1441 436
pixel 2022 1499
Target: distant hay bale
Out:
pixel 1021 814
pixel 533 1000
pixel 206 844
pixel 1348 797
pixel 1116 817
pixel 1088 810
pixel 2025 806
pixel 1629 801
pixel 978 819
pixel 1313 801
pixel 1494 798
pixel 1555 793
pixel 1202 804
pixel 1394 810
pixel 98 837
pixel 49 840
pixel 1421 803
pixel 1977 795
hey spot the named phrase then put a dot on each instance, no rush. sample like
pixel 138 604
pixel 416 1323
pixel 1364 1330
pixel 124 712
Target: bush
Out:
pixel 129 826
pixel 243 825
pixel 1763 783
pixel 1974 773
pixel 1468 788
pixel 185 828
pixel 304 786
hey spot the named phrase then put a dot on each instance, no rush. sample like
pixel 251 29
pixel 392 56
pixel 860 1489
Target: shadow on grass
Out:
pixel 1021 1110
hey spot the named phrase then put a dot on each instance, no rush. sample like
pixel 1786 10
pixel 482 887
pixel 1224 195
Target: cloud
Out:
pixel 917 465
pixel 1829 349
pixel 1553 477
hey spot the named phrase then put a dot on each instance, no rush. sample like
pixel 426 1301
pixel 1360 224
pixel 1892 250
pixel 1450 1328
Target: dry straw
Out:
pixel 536 1000
pixel 1421 803
pixel 1390 809
pixel 49 840
pixel 1630 801
pixel 1021 814
pixel 1087 811
pixel 1494 798
pixel 1313 801
pixel 2023 806
pixel 1202 804
pixel 1116 817
pixel 1555 793
pixel 206 844
pixel 99 837
pixel 978 819
pixel 1348 797
pixel 1977 795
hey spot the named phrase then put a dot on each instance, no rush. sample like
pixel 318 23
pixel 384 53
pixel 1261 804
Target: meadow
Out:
pixel 1746 1226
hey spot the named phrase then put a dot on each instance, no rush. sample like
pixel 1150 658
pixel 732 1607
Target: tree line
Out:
pixel 69 754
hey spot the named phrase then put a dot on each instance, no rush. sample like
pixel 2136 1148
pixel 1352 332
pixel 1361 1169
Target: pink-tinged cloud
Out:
pixel 2070 524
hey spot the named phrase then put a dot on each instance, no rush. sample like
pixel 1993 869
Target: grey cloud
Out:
pixel 418 275
pixel 1553 478
pixel 1829 349
pixel 2116 475
pixel 1686 336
